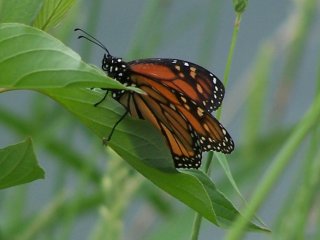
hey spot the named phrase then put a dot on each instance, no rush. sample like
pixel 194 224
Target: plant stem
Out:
pixel 305 196
pixel 196 226
pixel 230 55
pixel 275 170
pixel 197 219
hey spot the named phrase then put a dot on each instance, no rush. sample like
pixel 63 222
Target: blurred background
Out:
pixel 91 194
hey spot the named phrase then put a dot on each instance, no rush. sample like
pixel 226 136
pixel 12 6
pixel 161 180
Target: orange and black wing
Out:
pixel 162 113
pixel 188 128
pixel 212 135
pixel 192 80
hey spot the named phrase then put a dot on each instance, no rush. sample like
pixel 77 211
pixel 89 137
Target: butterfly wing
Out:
pixel 212 135
pixel 181 138
pixel 189 129
pixel 190 79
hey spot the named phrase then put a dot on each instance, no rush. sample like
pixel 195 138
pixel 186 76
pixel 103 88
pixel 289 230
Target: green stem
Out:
pixel 230 55
pixel 196 226
pixel 276 169
pixel 198 217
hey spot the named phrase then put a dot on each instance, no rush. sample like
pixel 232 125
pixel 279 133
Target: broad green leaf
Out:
pixel 144 148
pixel 34 59
pixel 19 11
pixel 101 120
pixel 136 141
pixel 18 165
pixel 52 12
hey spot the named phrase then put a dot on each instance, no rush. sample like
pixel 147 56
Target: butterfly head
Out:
pixel 115 67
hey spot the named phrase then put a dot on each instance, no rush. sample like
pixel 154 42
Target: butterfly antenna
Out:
pixel 92 39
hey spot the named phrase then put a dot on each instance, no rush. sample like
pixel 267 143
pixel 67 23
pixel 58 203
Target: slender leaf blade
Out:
pixel 52 12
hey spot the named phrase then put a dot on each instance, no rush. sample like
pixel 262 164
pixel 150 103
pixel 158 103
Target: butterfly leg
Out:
pixel 105 141
pixel 104 97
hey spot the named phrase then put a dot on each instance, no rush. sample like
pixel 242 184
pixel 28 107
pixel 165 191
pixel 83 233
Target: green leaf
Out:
pixel 136 141
pixel 101 120
pixel 144 148
pixel 19 11
pixel 43 62
pixel 52 12
pixel 18 165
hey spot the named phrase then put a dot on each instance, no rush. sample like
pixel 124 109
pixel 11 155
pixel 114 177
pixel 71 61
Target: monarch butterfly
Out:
pixel 180 97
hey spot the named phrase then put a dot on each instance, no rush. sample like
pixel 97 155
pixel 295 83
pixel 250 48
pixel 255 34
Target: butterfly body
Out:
pixel 179 99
